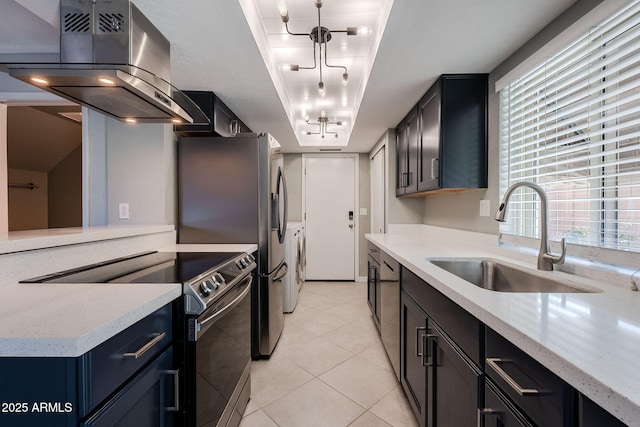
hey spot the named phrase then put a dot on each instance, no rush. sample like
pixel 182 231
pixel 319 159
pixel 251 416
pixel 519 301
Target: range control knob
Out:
pixel 207 286
pixel 250 258
pixel 243 262
pixel 218 280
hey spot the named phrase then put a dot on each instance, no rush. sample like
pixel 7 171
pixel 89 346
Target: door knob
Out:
pixel 350 225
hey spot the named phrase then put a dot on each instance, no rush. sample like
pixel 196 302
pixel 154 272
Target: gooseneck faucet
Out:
pixel 545 258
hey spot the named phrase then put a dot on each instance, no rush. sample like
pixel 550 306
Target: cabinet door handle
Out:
pixel 428 358
pixel 388 266
pixel 481 414
pixel 434 168
pixel 418 339
pixel 142 350
pixel 493 362
pixel 176 390
pixel 234 125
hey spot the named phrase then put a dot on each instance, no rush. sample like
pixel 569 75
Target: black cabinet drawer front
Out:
pixel 498 410
pixel 149 399
pixel 112 363
pixel 544 397
pixel 464 329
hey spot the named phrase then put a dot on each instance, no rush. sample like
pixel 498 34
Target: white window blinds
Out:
pixel 572 125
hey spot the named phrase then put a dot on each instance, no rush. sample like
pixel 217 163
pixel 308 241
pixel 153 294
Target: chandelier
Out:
pixel 320 36
pixel 322 123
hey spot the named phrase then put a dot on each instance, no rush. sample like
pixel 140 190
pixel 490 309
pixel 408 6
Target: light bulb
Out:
pixel 284 13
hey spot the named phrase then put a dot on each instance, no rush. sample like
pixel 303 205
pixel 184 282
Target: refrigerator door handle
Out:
pixel 279 274
pixel 282 222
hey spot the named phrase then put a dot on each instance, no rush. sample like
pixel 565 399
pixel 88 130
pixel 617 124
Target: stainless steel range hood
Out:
pixel 115 61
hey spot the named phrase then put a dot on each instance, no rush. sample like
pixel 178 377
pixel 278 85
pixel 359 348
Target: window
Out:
pixel 572 126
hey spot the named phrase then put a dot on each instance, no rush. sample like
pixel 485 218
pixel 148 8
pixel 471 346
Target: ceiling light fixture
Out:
pixel 320 36
pixel 323 121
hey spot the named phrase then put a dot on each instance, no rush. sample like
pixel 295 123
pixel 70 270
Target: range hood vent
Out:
pixel 115 61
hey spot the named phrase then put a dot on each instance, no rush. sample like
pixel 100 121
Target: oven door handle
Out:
pixel 232 304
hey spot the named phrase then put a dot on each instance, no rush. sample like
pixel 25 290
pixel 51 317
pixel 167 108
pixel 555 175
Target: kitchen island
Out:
pixel 590 340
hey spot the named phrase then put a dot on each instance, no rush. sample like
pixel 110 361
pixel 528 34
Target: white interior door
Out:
pixel 377 191
pixel 330 217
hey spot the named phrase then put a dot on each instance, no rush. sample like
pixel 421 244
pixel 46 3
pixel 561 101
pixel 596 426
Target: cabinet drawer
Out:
pixel 544 397
pixel 110 364
pixel 465 330
pixel 150 399
pixel 498 410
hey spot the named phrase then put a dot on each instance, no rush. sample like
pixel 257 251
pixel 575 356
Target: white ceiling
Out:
pixel 213 48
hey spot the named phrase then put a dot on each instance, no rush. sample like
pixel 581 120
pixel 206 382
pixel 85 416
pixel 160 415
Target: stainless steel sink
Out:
pixel 501 277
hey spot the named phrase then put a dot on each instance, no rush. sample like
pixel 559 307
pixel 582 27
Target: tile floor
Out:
pixel 329 367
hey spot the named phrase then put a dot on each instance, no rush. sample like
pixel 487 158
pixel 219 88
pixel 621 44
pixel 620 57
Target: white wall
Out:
pixel 132 164
pixel 4 196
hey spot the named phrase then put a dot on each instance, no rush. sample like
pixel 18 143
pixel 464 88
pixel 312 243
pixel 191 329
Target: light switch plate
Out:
pixel 123 210
pixel 363 211
pixel 485 207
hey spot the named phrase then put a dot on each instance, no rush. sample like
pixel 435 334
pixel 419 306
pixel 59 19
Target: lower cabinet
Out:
pixel 498 411
pixel 456 371
pixel 592 415
pixel 541 395
pixel 458 383
pixel 148 399
pixel 129 380
pixel 414 369
pixel 443 385
pixel 373 284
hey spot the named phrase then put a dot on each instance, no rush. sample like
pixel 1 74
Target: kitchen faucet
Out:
pixel 545 258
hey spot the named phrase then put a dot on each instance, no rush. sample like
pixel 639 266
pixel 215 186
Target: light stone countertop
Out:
pixel 591 340
pixel 67 320
pixel 19 241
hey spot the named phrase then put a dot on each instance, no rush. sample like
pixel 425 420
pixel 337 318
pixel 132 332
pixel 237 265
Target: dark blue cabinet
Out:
pixel 148 400
pixel 130 377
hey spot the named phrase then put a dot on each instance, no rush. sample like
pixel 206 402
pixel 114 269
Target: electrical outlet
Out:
pixel 485 207
pixel 123 211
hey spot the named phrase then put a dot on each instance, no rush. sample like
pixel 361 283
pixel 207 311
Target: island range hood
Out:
pixel 115 61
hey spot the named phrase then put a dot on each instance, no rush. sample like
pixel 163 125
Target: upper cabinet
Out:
pixel 222 121
pixel 408 148
pixel 442 142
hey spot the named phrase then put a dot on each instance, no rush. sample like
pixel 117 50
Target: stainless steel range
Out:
pixel 215 347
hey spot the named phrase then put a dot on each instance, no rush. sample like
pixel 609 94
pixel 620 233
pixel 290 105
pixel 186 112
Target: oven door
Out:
pixel 218 359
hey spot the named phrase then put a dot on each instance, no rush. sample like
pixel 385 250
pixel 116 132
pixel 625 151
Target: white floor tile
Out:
pixel 329 366
pixel 313 404
pixel 319 355
pixel 272 379
pixel 394 409
pixel 361 381
pixel 369 420
pixel 257 419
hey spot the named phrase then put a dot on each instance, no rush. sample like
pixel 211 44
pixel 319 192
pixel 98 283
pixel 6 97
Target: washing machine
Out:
pixel 294 257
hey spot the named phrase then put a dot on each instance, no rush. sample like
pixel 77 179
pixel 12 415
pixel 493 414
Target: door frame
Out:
pixel 380 149
pixel 356 201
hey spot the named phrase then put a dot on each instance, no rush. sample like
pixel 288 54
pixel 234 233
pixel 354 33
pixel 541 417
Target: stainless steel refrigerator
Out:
pixel 232 190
